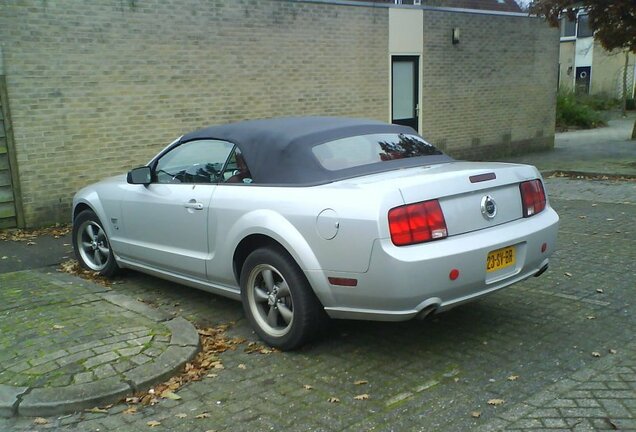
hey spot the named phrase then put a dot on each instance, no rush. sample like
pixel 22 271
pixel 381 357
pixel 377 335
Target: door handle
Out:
pixel 192 204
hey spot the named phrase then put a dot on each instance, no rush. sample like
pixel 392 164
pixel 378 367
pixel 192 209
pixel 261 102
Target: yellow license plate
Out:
pixel 500 259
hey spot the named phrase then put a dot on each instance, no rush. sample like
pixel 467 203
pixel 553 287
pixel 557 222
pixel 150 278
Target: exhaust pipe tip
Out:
pixel 429 308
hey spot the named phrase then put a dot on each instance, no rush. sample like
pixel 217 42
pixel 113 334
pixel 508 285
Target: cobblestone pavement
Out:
pixel 66 344
pixel 556 352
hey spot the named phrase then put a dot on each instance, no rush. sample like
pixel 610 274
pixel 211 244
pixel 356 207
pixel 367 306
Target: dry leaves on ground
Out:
pixel 40 421
pixel 97 410
pixel 361 397
pixel 72 267
pixel 202 416
pixel 360 382
pixel 214 341
pixel 28 235
pixel 153 423
pixel 580 176
pixel 596 354
pixel 513 378
pixel 475 414
pixel 496 402
pixel 333 400
pixel 254 347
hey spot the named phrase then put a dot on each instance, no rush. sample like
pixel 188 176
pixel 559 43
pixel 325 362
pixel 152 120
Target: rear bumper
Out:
pixel 404 281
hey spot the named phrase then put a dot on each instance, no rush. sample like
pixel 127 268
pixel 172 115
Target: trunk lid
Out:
pixel 462 191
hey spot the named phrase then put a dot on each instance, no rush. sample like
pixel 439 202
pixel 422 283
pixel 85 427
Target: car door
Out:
pixel 166 221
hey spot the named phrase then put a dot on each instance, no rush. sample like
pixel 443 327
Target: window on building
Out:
pixel 568 27
pixel 584 29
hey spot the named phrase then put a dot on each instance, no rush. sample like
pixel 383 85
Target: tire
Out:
pixel 278 300
pixel 91 245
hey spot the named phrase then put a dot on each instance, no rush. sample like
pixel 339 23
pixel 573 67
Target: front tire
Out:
pixel 278 300
pixel 91 245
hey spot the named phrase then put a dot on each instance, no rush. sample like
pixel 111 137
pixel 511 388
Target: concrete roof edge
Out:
pixel 421 7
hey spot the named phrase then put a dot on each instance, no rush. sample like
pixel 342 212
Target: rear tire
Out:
pixel 91 245
pixel 278 300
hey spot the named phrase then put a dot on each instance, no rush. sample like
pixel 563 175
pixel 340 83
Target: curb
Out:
pixel 569 173
pixel 47 401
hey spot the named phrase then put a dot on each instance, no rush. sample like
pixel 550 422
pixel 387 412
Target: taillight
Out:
pixel 417 223
pixel 532 197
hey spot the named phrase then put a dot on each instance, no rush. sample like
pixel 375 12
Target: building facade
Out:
pixel 585 67
pixel 94 89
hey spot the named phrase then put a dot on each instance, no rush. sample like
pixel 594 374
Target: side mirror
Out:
pixel 141 175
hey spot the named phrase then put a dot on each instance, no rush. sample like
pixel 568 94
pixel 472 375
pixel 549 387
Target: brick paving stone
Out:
pixel 100 359
pixel 55 353
pixel 537 330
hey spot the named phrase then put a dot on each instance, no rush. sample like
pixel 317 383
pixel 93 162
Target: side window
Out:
pixel 194 162
pixel 236 170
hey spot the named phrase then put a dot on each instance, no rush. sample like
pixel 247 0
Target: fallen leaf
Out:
pixel 361 397
pixel 475 414
pixel 307 387
pixel 212 375
pixel 181 415
pixel 582 217
pixel 153 423
pixel 596 354
pixel 167 394
pixel 609 219
pixel 4 257
pixel 590 317
pixel 131 410
pixel 360 382
pixel 496 402
pixel 568 274
pixel 600 290
pixel 202 416
pixel 513 378
pixel 612 351
pixel 40 421
pixel 132 400
pixel 31 243
pixel 211 430
pixel 96 410
pixel 333 400
pixel 242 366
pixel 58 327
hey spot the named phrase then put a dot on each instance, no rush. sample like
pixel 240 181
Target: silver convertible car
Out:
pixel 308 218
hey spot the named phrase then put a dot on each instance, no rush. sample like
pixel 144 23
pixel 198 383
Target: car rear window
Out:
pixel 369 149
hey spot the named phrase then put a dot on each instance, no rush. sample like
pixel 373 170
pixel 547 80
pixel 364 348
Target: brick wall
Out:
pixel 96 88
pixel 493 93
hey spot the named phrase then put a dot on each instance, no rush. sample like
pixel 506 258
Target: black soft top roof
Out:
pixel 279 150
